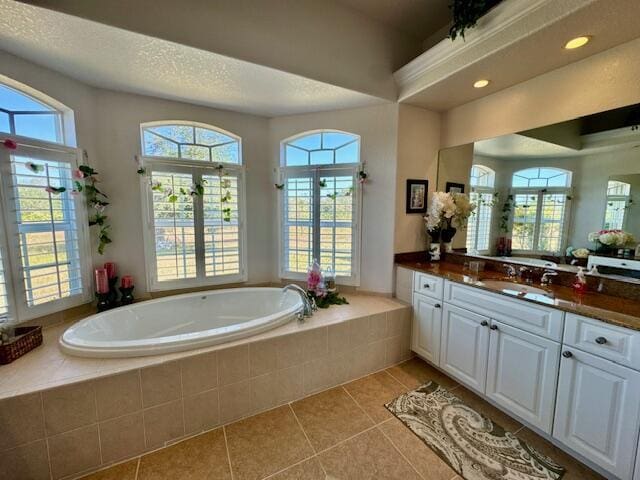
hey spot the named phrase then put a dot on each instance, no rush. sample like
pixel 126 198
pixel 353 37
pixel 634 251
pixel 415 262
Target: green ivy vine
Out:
pixel 466 14
pixel 97 201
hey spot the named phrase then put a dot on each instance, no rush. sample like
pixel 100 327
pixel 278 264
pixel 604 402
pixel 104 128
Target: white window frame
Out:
pixel 617 198
pixel 317 171
pixel 195 168
pixel 540 192
pixel 482 190
pixel 20 311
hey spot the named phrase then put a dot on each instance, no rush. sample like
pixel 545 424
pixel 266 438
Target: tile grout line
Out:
pixel 46 437
pixel 95 404
pixel 226 446
pixel 313 449
pixel 393 445
pixel 137 468
pixel 360 407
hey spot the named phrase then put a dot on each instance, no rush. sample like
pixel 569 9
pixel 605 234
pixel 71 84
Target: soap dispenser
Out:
pixel 580 283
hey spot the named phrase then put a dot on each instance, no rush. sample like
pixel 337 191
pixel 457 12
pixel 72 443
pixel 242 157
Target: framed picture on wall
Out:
pixel 417 196
pixel 454 187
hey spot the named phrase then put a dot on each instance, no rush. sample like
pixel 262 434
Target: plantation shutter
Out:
pixel 196 224
pixel 336 243
pixel 173 225
pixel 221 216
pixel 45 228
pixel 299 199
pixel 4 295
pixel 319 219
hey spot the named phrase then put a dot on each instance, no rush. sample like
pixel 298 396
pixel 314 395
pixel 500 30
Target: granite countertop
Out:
pixel 607 308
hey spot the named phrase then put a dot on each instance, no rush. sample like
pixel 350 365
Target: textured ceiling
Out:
pixel 418 18
pixel 116 59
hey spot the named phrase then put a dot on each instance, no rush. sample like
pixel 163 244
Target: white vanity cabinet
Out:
pixel 598 401
pixel 464 346
pixel 575 378
pixel 425 329
pixel 522 373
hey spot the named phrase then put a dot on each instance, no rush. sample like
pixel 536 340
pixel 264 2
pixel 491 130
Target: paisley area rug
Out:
pixel 474 446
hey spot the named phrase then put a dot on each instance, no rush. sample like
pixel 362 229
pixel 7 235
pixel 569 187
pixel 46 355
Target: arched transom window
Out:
pixel 190 142
pixel 320 204
pixel 482 176
pixel 23 115
pixel 541 198
pixel 322 148
pixel 43 229
pixel 541 178
pixel 194 188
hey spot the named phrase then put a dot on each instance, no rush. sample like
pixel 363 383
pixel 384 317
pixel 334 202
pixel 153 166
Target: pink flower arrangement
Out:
pixel 10 144
pixel 315 281
pixel 78 174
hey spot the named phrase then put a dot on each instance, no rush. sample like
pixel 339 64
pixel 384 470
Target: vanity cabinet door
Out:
pixel 522 374
pixel 464 346
pixel 597 411
pixel 427 323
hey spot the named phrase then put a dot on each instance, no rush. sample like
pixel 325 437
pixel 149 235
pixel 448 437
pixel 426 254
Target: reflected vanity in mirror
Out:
pixel 559 196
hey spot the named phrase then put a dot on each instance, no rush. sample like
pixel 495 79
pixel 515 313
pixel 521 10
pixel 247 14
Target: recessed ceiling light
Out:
pixel 577 42
pixel 481 83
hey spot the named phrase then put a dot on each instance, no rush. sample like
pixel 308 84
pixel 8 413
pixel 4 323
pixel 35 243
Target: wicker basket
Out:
pixel 25 340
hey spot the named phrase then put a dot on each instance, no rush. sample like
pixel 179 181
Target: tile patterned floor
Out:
pixel 343 433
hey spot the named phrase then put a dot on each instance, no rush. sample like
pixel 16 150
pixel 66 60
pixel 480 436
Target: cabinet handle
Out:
pixel 426 285
pixel 437 305
pixel 601 340
pixel 567 354
pixel 484 323
pixel 494 327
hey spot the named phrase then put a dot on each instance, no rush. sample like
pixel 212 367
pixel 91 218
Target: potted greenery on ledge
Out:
pixel 466 13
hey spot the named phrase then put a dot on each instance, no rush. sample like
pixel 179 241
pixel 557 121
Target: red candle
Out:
pixel 111 269
pixel 102 281
pixel 127 281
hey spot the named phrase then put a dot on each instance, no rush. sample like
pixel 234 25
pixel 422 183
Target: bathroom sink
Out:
pixel 520 290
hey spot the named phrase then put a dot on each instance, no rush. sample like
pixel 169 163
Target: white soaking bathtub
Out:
pixel 181 322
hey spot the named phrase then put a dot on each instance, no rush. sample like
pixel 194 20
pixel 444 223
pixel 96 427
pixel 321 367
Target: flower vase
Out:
pixel 447 237
pixel 434 246
pixel 603 249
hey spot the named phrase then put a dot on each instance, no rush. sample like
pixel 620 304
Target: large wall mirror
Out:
pixel 559 196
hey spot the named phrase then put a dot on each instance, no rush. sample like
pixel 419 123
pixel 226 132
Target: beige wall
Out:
pixel 377 127
pixel 418 143
pixel 348 49
pixel 601 82
pixel 119 116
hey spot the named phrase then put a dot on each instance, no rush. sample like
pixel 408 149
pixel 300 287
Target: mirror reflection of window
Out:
pixel 482 184
pixel 618 198
pixel 541 209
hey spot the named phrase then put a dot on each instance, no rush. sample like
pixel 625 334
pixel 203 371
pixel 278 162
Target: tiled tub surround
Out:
pixel 109 410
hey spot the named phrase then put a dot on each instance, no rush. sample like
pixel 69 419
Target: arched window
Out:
pixel 46 226
pixel 618 202
pixel 194 188
pixel 320 204
pixel 190 141
pixel 482 183
pixel 541 198
pixel 23 115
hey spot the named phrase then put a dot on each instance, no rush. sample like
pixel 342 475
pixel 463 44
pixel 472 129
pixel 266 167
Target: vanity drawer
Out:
pixel 428 285
pixel 618 344
pixel 544 321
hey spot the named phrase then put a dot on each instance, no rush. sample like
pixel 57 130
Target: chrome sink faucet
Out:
pixel 308 304
pixel 546 277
